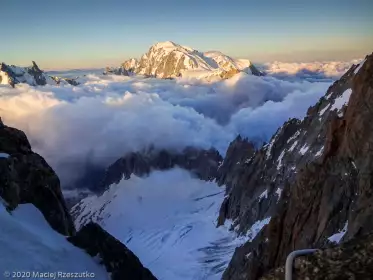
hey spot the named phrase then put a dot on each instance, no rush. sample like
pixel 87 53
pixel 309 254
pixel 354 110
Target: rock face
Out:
pixel 312 181
pixel 168 60
pixel 119 261
pixel 117 71
pixel 12 75
pixel 350 260
pixel 61 81
pixel 202 163
pixel 25 177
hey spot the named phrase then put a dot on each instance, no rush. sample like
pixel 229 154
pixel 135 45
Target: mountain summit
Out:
pixel 168 59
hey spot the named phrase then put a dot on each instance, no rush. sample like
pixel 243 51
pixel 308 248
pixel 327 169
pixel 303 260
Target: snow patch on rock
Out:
pixel 359 67
pixel 4 155
pixel 256 228
pixel 263 195
pixel 337 237
pixel 342 100
pixel 304 149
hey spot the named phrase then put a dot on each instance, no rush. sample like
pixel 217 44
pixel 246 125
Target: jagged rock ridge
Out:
pixel 25 177
pixel 312 180
pixel 12 75
pixel 201 163
pixel 169 60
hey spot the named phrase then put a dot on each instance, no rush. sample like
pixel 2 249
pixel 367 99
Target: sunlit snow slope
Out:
pixel 169 221
pixel 29 244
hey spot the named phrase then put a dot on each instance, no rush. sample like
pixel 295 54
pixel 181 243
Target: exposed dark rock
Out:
pixel 321 167
pixel 71 81
pixel 255 71
pixel 38 75
pixel 117 258
pixel 116 71
pixel 25 177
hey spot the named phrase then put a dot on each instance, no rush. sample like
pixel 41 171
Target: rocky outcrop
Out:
pixel 131 65
pixel 313 180
pixel 201 163
pixel 350 260
pixel 169 60
pixel 61 81
pixel 118 260
pixel 25 177
pixel 117 71
pixel 12 75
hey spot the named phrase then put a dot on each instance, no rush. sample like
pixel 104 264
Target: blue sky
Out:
pixel 81 34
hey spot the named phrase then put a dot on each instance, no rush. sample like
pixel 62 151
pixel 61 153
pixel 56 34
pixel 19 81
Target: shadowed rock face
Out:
pixel 317 177
pixel 25 177
pixel 115 256
pixel 202 164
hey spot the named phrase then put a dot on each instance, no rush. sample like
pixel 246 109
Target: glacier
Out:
pixel 169 221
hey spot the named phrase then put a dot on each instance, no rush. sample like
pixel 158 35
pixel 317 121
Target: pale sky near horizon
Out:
pixel 84 34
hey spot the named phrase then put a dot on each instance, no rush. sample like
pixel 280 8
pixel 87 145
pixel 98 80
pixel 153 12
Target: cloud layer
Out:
pixel 311 71
pixel 108 116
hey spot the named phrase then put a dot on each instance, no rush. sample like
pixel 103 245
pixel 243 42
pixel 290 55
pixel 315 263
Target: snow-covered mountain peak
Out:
pixel 169 59
pixel 169 46
pixel 165 45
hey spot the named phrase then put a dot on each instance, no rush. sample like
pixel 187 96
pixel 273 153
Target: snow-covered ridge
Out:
pixel 32 75
pixel 169 60
pixel 30 245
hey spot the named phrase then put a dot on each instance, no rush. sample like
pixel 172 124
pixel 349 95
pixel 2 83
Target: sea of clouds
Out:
pixel 107 116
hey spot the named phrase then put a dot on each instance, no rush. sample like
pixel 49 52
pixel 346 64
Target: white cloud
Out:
pixel 107 116
pixel 311 71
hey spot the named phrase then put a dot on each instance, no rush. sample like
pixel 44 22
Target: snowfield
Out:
pixel 169 221
pixel 29 244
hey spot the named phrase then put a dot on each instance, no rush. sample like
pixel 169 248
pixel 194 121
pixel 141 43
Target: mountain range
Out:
pixel 307 188
pixel 12 75
pixel 310 186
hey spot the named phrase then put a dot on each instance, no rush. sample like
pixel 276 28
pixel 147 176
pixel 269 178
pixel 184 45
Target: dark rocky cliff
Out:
pixel 312 180
pixel 25 177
